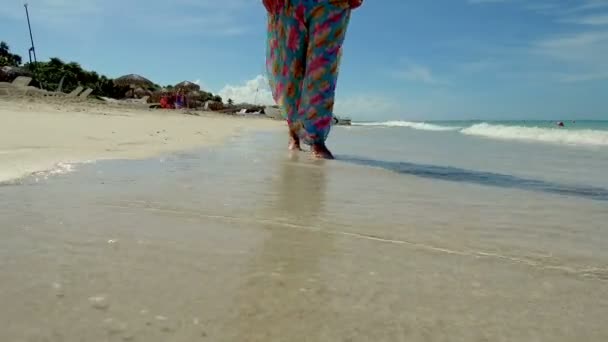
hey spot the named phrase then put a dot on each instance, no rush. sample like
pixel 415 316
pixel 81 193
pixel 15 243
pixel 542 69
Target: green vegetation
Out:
pixel 6 57
pixel 48 75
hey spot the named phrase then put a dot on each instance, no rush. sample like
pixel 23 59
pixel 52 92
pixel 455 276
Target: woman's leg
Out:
pixel 327 28
pixel 286 56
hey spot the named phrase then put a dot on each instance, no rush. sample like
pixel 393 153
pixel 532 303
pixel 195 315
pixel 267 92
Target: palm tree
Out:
pixel 230 102
pixel 4 49
pixel 6 57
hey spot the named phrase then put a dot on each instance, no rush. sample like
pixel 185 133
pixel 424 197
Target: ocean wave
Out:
pixel 410 124
pixel 587 137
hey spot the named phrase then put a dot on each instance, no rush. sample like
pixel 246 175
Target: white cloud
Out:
pixel 358 106
pixel 591 5
pixel 570 56
pixel 550 7
pixel 201 84
pixel 583 77
pixel 418 73
pixel 255 91
pixel 584 47
pixel 582 54
pixel 593 20
pixel 192 17
pixel 366 106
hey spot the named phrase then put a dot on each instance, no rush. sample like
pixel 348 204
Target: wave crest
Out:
pixel 410 124
pixel 588 137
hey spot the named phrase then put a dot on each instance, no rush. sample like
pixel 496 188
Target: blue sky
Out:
pixel 418 59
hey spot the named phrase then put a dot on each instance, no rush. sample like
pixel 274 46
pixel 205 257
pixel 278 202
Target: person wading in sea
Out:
pixel 303 55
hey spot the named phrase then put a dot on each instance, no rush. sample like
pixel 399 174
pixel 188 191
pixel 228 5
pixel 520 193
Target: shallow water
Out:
pixel 408 236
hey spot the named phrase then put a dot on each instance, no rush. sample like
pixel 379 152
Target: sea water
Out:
pixel 411 234
pixel 574 154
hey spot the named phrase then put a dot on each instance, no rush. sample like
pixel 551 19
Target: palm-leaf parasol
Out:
pixel 187 86
pixel 133 81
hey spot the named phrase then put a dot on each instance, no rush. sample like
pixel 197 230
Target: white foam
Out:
pixel 586 137
pixel 27 170
pixel 410 124
pixel 59 169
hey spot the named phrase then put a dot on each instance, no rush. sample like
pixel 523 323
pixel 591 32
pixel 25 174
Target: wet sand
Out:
pixel 249 243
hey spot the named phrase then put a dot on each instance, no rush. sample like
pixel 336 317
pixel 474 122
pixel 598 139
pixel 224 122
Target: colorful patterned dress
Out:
pixel 303 54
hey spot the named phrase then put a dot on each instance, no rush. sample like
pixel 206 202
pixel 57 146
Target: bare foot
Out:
pixel 320 151
pixel 294 142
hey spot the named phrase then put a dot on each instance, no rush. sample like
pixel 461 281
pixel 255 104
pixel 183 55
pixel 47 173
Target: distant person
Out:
pixel 179 100
pixel 560 124
pixel 303 55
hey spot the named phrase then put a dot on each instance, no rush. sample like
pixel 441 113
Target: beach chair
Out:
pixel 33 91
pixel 19 86
pixel 85 93
pixel 75 92
pixel 21 81
pixel 4 87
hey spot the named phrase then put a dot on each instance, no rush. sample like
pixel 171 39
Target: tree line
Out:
pixel 48 75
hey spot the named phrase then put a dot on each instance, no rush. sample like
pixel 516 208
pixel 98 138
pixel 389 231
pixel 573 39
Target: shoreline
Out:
pixel 216 242
pixel 41 135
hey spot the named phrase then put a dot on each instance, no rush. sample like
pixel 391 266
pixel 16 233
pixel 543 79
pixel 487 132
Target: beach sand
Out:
pixel 244 241
pixel 42 134
pixel 248 242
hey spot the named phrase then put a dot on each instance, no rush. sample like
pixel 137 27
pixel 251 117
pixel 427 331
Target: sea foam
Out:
pixel 410 124
pixel 586 137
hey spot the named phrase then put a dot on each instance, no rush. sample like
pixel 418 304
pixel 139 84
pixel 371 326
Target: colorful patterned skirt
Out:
pixel 303 55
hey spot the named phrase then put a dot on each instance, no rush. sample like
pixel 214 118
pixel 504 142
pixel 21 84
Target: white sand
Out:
pixel 38 135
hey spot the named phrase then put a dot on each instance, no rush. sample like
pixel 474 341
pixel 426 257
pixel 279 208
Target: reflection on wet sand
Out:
pixel 243 244
pixel 283 282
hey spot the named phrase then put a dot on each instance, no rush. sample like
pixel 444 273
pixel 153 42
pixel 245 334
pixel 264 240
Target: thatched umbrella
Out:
pixel 187 86
pixel 133 81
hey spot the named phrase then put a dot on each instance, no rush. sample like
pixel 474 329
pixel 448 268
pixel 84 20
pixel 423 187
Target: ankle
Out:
pixel 319 150
pixel 294 142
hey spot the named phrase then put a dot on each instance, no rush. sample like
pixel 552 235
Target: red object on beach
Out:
pixel 165 103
